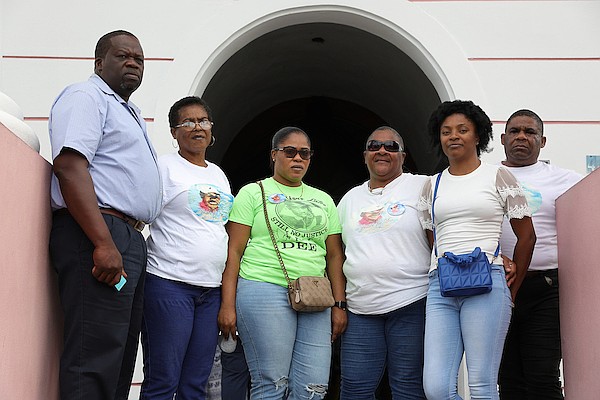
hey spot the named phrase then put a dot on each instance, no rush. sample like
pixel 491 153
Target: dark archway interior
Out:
pixel 336 82
pixel 337 130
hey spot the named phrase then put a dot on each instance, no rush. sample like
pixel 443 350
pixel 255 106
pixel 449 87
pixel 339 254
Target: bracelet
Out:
pixel 340 304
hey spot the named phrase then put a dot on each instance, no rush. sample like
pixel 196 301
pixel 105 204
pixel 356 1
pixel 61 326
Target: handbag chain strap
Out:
pixel 437 183
pixel 264 203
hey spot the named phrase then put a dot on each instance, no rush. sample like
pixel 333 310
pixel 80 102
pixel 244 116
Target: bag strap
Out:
pixel 264 203
pixel 437 183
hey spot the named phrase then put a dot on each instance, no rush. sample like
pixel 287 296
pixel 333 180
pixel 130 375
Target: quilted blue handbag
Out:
pixel 462 274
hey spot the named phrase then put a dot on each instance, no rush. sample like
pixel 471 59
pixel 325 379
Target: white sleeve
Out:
pixel 512 195
pixel 424 206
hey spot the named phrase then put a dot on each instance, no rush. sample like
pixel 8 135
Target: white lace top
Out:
pixel 469 209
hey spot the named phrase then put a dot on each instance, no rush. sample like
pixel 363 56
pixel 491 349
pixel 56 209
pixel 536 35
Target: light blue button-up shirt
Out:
pixel 90 118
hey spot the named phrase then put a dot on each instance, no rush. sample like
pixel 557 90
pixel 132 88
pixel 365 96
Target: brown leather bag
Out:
pixel 310 293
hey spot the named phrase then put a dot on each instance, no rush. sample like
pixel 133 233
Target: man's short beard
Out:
pixel 129 87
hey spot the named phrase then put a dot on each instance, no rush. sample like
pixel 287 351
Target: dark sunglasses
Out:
pixel 389 145
pixel 290 152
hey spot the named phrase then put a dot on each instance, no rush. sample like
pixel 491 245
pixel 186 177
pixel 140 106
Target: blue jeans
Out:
pixel 179 338
pixel 475 324
pixel 288 353
pixel 372 341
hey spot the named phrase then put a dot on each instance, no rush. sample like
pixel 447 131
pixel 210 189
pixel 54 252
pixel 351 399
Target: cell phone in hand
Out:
pixel 121 283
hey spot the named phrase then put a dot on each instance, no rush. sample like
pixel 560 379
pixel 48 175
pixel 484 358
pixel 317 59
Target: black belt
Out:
pixel 136 224
pixel 531 274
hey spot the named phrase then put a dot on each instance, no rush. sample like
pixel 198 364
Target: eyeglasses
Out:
pixel 290 152
pixel 191 125
pixel 389 145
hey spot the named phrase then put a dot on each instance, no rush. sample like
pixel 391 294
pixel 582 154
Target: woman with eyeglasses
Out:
pixel 466 212
pixel 387 261
pixel 288 352
pixel 187 249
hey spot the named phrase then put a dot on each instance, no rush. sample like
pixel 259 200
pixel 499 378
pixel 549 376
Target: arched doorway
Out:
pixel 337 82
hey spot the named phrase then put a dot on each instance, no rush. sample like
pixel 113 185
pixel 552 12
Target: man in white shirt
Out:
pixel 532 354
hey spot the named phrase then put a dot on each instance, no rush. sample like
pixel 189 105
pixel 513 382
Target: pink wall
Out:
pixel 30 317
pixel 578 221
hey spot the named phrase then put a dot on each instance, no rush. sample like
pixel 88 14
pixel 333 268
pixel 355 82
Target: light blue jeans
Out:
pixel 288 353
pixel 475 324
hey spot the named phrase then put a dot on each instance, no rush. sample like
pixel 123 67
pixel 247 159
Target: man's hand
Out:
pixel 108 265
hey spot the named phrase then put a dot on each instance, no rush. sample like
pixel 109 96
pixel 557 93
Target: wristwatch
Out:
pixel 340 304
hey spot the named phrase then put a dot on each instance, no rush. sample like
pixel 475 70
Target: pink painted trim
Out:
pixel 75 58
pixel 464 1
pixel 533 58
pixel 147 119
pixel 574 122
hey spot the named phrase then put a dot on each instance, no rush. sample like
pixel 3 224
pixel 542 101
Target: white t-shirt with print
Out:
pixel 387 253
pixel 188 242
pixel 543 184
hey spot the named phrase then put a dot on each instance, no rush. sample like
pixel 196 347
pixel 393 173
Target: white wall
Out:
pixel 504 55
pixel 456 34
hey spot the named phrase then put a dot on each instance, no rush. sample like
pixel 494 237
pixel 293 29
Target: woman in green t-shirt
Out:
pixel 288 352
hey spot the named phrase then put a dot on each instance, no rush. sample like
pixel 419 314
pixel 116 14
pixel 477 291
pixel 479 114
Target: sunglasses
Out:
pixel 389 145
pixel 290 152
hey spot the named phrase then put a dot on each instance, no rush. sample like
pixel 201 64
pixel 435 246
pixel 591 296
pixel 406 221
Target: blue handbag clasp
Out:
pixel 463 258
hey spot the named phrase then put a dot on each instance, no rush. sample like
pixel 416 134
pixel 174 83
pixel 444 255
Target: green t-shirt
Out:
pixel 301 218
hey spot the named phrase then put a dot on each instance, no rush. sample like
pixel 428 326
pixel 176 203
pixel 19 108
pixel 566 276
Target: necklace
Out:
pixel 377 190
pixel 301 185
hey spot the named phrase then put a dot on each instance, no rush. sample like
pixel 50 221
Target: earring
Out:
pixel 213 139
pixel 174 143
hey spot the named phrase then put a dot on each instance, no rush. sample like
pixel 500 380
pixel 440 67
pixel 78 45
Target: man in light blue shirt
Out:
pixel 105 187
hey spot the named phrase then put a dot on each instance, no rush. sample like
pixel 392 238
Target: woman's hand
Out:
pixel 335 260
pixel 227 321
pixel 339 321
pixel 510 268
pixel 238 237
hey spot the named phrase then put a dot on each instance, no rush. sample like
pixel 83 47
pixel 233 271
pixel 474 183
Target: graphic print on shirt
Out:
pixel 377 218
pixel 299 221
pixel 209 202
pixel 533 196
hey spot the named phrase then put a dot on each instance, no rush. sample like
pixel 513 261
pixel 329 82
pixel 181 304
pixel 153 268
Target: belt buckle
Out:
pixel 137 225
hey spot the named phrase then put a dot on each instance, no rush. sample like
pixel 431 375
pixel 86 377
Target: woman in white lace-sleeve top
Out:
pixel 472 199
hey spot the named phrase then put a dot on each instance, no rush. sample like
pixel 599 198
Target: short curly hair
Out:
pixel 104 43
pixel 474 113
pixel 530 114
pixel 184 102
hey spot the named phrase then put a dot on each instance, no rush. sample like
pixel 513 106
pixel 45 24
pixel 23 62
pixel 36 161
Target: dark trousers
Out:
pixel 102 325
pixel 530 364
pixel 235 377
